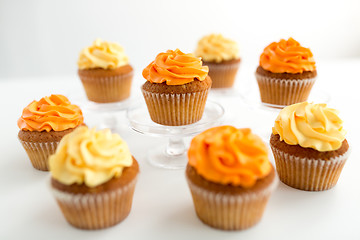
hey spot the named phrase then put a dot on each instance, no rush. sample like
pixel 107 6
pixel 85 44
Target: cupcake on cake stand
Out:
pixel 106 76
pixel 286 75
pixel 175 93
pixel 172 155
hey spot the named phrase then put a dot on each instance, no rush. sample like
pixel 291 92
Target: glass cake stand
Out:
pixel 101 115
pixel 173 155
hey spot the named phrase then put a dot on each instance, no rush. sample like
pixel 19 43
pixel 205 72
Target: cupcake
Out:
pixel 221 55
pixel 42 125
pixel 309 146
pixel 176 89
pixel 105 72
pixel 230 177
pixel 93 177
pixel 286 73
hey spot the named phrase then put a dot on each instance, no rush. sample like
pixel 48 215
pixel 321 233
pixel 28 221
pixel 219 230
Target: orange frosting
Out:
pixel 227 155
pixel 175 68
pixel 50 113
pixel 287 57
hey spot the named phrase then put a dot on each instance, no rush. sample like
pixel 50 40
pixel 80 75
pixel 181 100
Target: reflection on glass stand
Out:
pixel 173 155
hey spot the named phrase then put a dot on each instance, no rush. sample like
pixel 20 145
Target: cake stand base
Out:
pixel 172 156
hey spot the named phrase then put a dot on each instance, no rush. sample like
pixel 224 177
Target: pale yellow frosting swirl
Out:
pixel 102 54
pixel 216 48
pixel 310 126
pixel 90 157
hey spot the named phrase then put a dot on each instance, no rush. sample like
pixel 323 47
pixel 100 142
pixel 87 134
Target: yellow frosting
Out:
pixel 102 54
pixel 216 48
pixel 310 126
pixel 90 157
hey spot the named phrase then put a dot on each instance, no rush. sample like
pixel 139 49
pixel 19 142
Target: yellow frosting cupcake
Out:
pixel 105 72
pixel 309 146
pixel 221 55
pixel 91 172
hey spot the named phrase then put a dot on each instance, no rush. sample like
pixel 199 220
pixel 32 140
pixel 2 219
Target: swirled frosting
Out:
pixel 216 48
pixel 90 157
pixel 227 155
pixel 102 54
pixel 287 56
pixel 175 68
pixel 50 113
pixel 310 126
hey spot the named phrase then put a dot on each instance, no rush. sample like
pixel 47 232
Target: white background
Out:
pixel 39 46
pixel 44 37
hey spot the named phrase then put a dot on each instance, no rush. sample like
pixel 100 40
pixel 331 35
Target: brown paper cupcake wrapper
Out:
pixel 175 109
pixel 308 174
pixel 223 75
pixel 107 89
pixel 284 92
pixel 39 153
pixel 230 212
pixel 98 210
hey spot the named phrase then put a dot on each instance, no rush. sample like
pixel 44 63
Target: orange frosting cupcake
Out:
pixel 50 113
pixel 175 68
pixel 43 124
pixel 230 177
pixel 287 56
pixel 176 88
pixel 227 155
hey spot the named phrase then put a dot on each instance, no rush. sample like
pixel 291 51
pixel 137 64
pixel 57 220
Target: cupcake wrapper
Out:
pixel 39 153
pixel 284 92
pixel 107 89
pixel 223 75
pixel 308 174
pixel 175 109
pixel 98 210
pixel 230 212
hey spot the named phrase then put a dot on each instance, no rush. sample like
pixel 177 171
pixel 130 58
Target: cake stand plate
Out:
pixel 172 156
pixel 101 115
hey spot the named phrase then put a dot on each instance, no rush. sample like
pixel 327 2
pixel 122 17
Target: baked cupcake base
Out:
pixel 227 207
pixel 40 145
pixel 107 85
pixel 99 207
pixel 308 169
pixel 284 89
pixel 223 74
pixel 176 105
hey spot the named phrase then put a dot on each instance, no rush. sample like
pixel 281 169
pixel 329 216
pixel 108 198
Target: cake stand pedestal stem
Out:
pixel 176 146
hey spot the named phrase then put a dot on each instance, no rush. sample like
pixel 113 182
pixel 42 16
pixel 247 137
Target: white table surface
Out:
pixel 162 206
